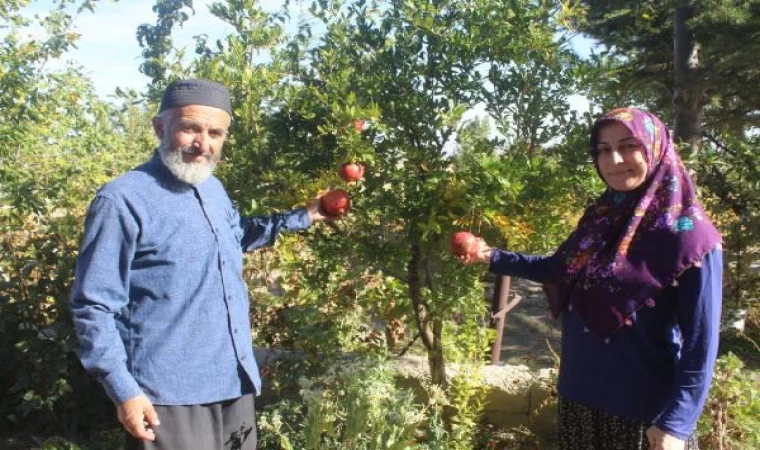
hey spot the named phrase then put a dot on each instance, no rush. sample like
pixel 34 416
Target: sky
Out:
pixel 108 48
pixel 110 54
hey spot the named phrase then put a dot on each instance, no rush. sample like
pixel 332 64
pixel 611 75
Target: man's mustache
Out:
pixel 189 150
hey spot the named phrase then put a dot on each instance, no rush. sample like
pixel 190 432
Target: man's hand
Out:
pixel 138 417
pixel 660 440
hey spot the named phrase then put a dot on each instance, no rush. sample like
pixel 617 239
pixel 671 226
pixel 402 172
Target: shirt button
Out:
pixel 224 263
pixel 242 358
pixel 235 331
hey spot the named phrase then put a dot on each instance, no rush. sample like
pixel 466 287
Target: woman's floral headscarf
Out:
pixel 628 246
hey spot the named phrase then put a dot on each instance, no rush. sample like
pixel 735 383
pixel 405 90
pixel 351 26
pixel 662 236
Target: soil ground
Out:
pixel 531 336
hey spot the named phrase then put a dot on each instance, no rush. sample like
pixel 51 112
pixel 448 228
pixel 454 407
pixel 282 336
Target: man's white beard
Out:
pixel 190 173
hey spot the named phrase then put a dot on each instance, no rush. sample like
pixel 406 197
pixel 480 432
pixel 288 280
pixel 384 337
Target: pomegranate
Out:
pixel 351 171
pixel 335 203
pixel 360 125
pixel 464 243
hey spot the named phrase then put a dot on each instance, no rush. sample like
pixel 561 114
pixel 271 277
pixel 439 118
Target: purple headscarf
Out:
pixel 628 246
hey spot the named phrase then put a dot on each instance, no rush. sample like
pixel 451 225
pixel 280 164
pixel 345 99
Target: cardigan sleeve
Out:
pixel 532 267
pixel 698 314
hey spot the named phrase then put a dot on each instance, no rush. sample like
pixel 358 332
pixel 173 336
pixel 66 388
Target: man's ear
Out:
pixel 158 127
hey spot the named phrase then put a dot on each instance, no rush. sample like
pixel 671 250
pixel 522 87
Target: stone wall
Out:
pixel 515 395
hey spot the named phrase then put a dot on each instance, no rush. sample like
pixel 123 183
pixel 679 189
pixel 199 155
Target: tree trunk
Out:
pixel 435 354
pixel 430 328
pixel 687 93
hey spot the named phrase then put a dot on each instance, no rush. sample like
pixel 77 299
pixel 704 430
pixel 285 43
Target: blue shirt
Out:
pixel 657 371
pixel 159 302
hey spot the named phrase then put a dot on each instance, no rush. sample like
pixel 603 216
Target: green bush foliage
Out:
pixel 359 405
pixel 731 419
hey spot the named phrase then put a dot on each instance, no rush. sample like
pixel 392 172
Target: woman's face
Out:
pixel 620 157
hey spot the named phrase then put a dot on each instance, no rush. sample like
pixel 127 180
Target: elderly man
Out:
pixel 159 302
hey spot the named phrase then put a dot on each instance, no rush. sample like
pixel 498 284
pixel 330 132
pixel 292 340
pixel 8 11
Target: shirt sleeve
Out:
pixel 262 231
pixel 532 267
pixel 698 315
pixel 100 292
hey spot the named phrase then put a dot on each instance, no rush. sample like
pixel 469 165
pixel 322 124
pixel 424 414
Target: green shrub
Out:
pixel 360 406
pixel 356 406
pixel 731 419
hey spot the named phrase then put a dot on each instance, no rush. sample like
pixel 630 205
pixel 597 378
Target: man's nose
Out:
pixel 201 141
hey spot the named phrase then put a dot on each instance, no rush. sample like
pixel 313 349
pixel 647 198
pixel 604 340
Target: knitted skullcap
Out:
pixel 196 92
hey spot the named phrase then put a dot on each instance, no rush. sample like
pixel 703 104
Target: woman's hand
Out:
pixel 660 440
pixel 480 254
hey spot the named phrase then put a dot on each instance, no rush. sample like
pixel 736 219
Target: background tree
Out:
pixel 412 69
pixel 714 38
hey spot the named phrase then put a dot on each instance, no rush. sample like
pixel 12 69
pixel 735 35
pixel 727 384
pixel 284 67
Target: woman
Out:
pixel 638 288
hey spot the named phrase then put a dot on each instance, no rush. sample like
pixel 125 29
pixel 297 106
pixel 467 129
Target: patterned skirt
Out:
pixel 583 428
